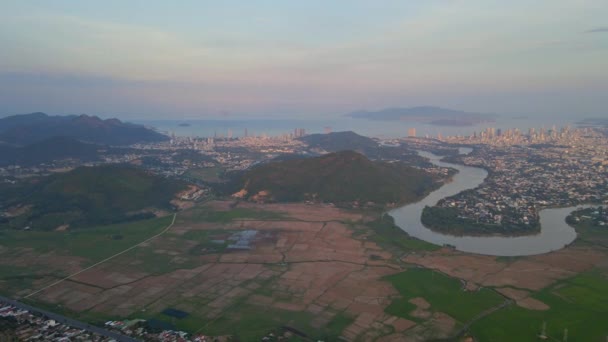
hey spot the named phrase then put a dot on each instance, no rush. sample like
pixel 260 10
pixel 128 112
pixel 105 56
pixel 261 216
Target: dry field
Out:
pixel 304 269
pixel 526 274
pixel 306 262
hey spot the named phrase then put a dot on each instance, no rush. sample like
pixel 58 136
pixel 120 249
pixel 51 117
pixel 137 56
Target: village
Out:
pixel 528 173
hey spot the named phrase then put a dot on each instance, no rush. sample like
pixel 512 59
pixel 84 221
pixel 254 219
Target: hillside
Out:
pixel 47 151
pixel 31 128
pixel 340 141
pixel 425 114
pixel 343 177
pixel 90 196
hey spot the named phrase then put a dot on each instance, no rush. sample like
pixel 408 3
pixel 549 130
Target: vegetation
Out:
pixel 590 226
pixel 48 151
pixel 445 295
pixel 191 156
pixel 35 127
pixel 447 220
pixel 248 323
pixel 93 243
pixel 91 196
pixel 579 304
pixel 206 214
pixel 208 174
pixel 343 177
pixel 386 234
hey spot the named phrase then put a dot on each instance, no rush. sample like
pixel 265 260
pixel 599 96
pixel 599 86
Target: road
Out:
pixel 73 322
pixel 69 321
pixel 102 261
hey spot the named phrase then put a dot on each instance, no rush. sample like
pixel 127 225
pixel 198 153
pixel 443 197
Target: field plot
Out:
pixel 567 289
pixel 578 304
pixel 246 270
pixel 209 174
pixel 251 269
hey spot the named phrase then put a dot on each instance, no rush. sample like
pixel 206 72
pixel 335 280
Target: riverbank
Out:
pixel 554 233
pixel 446 221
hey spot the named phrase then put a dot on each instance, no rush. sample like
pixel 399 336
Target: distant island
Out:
pixel 35 127
pixel 425 114
pixel 594 122
pixel 184 124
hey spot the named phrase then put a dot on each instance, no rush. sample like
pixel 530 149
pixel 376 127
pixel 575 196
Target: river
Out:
pixel 554 234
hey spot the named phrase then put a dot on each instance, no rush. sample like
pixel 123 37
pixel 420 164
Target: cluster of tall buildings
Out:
pixel 541 134
pixel 515 135
pixel 299 132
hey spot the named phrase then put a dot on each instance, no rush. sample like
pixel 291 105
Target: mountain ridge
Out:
pixel 26 129
pixel 424 114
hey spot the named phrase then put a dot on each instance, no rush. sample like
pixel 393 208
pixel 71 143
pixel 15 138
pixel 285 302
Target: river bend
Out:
pixel 554 234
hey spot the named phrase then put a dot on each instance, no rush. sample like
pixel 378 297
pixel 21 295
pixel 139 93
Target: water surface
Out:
pixel 554 234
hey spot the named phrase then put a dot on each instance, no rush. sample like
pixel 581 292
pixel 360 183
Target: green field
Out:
pixel 445 295
pixel 207 174
pixel 589 232
pixel 387 235
pixel 94 243
pixel 206 214
pixel 579 304
pixel 251 323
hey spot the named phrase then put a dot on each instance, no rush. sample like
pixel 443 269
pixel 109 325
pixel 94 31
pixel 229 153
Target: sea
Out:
pixel 371 128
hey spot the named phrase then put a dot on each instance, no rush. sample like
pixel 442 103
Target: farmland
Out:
pixel 247 269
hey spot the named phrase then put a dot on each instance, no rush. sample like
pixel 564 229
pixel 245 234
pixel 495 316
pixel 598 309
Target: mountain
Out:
pixel 35 127
pixel 425 114
pixel 91 196
pixel 342 177
pixel 340 141
pixel 48 150
pixel 29 119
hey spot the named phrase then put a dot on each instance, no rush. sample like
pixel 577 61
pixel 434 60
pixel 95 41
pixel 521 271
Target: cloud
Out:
pixel 598 30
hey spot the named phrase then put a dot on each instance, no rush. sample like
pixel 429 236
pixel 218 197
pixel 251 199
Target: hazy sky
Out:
pixel 209 59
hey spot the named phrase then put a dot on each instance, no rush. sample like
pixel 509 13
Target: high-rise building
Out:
pixel 299 132
pixel 411 132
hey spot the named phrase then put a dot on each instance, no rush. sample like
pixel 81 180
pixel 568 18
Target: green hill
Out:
pixel 342 177
pixel 91 195
pixel 47 151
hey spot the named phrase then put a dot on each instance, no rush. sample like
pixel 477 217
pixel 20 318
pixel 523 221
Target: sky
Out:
pixel 302 59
